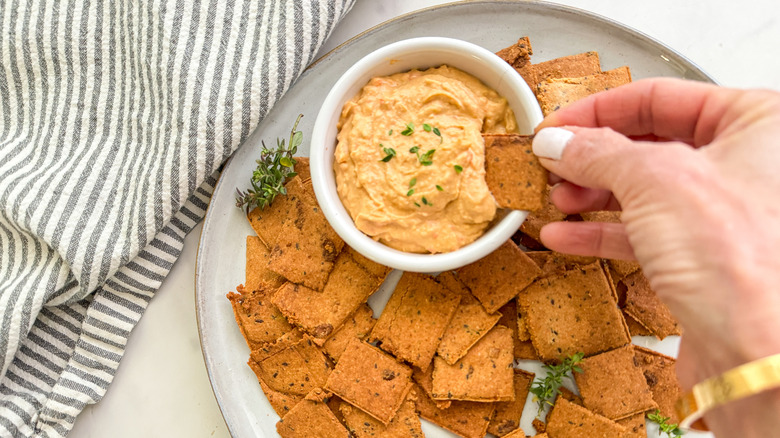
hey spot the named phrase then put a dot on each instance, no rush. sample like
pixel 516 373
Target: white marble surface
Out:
pixel 162 389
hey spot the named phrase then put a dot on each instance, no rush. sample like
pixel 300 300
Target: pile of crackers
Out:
pixel 445 347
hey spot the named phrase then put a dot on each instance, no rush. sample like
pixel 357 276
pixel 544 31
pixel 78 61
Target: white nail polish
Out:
pixel 550 142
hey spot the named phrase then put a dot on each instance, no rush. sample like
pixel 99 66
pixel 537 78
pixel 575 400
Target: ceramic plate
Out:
pixel 554 31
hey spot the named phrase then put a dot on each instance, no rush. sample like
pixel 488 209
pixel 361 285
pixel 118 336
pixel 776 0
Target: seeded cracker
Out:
pixel 573 312
pixel 567 420
pixel 567 394
pixel 571 66
pixel 517 433
pixel 320 313
pixel 484 374
pixel 612 385
pixel 660 375
pixel 358 325
pixel 557 93
pixel 510 319
pixel 424 380
pixel 532 226
pixel 635 328
pixel 405 424
pixel 268 222
pixel 370 380
pixel 507 418
pixel 526 351
pixel 259 320
pixel 500 276
pixel 467 419
pixel 292 365
pixel 258 276
pixel 311 418
pixel 635 426
pixel 513 173
pixel 415 318
pixel 646 308
pixel 469 324
pixel 280 401
pixel 517 55
pixel 302 168
pixel 306 247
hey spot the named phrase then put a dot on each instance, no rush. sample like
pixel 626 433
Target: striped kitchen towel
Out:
pixel 115 116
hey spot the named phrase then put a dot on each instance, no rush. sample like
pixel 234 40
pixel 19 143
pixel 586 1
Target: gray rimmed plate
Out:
pixel 554 31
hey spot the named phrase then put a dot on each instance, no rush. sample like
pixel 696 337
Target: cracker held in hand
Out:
pixel 311 418
pixel 567 420
pixel 415 318
pixel 660 375
pixel 405 424
pixel 513 173
pixel 500 276
pixel 358 325
pixel 573 312
pixel 466 419
pixel 507 418
pixel 532 226
pixel 646 308
pixel 370 380
pixel 484 374
pixel 258 319
pixel 554 94
pixel 612 384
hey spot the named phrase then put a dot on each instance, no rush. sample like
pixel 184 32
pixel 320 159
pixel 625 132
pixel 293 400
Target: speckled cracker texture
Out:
pixel 358 325
pixel 660 375
pixel 370 380
pixel 415 318
pixel 292 365
pixel 635 426
pixel 553 94
pixel 405 424
pixel 513 173
pixel 258 319
pixel 268 222
pixel 311 418
pixel 613 385
pixel 646 308
pixel 532 226
pixel 567 420
pixel 258 276
pixel 484 374
pixel 507 418
pixel 573 312
pixel 466 419
pixel 572 66
pixel 499 276
pixel 518 54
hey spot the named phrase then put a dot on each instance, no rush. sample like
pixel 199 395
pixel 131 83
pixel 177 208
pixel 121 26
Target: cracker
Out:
pixel 645 307
pixel 635 426
pixel 532 226
pixel 415 318
pixel 526 351
pixel 573 312
pixel 558 262
pixel 572 66
pixel 635 328
pixel 358 325
pixel 405 424
pixel 302 168
pixel 612 385
pixel 311 418
pixel 539 426
pixel 507 417
pixel 306 247
pixel 484 374
pixel 468 325
pixel 370 380
pixel 553 94
pixel 567 420
pixel 500 276
pixel 517 433
pixel 518 54
pixel 539 257
pixel 320 313
pixel 510 319
pixel 601 216
pixel 268 222
pixel 623 267
pixel 513 173
pixel 424 380
pixel 467 419
pixel 660 375
pixel 292 365
pixel 569 395
pixel 258 319
pixel 522 331
pixel 258 276
pixel 281 402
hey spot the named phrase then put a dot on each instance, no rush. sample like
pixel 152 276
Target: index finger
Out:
pixel 673 109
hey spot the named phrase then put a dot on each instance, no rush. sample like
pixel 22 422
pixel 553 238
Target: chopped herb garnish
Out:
pixel 670 429
pixel 409 129
pixel 426 127
pixel 425 201
pixel 390 132
pixel 412 182
pixel 410 192
pixel 389 154
pixel 545 389
pixel 458 168
pixel 416 204
pixel 437 132
pixel 414 149
pixel 439 188
pixel 426 159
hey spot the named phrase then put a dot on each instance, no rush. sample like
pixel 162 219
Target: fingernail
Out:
pixel 550 142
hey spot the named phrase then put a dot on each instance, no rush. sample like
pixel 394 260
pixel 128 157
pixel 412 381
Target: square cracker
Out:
pixel 567 420
pixel 573 312
pixel 612 384
pixel 258 276
pixel 258 318
pixel 513 173
pixel 484 374
pixel 358 325
pixel 507 418
pixel 572 66
pixel 281 402
pixel 311 418
pixel 500 276
pixel 320 313
pixel 468 325
pixel 532 226
pixel 646 308
pixel 660 375
pixel 635 426
pixel 415 318
pixel 553 94
pixel 424 380
pixel 370 380
pixel 518 54
pixel 292 365
pixel 306 247
pixel 405 424
pixel 268 222
pixel 466 419
pixel 517 433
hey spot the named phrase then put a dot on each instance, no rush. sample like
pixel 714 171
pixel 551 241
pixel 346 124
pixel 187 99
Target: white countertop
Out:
pixel 162 389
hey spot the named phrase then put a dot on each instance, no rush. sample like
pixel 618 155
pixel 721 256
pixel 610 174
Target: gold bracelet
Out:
pixel 740 382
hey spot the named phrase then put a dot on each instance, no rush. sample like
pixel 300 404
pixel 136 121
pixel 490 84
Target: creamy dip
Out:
pixel 410 158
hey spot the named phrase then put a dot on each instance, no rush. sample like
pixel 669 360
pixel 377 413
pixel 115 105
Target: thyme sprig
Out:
pixel 545 389
pixel 670 429
pixel 274 167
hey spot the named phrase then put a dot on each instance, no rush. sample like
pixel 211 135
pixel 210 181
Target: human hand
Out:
pixel 694 169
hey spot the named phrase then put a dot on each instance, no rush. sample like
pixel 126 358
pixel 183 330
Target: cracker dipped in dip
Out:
pixel 410 158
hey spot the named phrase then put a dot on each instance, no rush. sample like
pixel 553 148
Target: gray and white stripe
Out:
pixel 115 116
